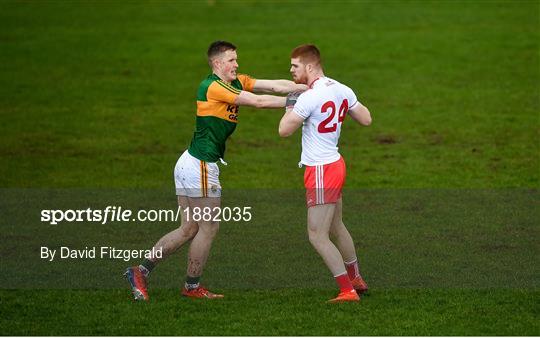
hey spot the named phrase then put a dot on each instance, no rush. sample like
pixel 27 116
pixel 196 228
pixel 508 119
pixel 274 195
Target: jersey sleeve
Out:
pixel 222 92
pixel 303 107
pixel 247 82
pixel 351 98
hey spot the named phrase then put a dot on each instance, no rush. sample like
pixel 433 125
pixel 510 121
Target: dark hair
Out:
pixel 307 54
pixel 218 47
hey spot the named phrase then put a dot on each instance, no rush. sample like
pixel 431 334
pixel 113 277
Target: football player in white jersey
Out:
pixel 320 111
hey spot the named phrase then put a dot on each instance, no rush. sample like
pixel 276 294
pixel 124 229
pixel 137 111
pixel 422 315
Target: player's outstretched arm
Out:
pixel 360 114
pixel 278 86
pixel 259 101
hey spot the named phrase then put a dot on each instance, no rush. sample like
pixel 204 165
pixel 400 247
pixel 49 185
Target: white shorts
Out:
pixel 196 178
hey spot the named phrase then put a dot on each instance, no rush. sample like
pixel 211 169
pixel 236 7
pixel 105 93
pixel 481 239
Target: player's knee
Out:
pixel 333 231
pixel 317 237
pixel 333 236
pixel 336 228
pixel 209 229
pixel 189 230
pixel 313 239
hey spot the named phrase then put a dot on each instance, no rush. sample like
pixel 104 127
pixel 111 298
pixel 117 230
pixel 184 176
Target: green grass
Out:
pixel 284 312
pixel 453 88
pixel 443 187
pixel 440 262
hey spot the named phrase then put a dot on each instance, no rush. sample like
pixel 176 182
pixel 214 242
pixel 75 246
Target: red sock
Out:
pixel 352 269
pixel 344 283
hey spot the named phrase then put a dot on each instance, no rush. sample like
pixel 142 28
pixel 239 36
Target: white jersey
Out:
pixel 323 108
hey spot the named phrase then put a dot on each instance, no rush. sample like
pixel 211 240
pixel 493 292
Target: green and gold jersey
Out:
pixel 217 115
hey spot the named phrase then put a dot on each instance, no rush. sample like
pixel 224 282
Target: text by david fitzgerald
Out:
pixel 103 252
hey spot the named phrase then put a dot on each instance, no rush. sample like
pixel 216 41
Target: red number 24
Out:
pixel 330 105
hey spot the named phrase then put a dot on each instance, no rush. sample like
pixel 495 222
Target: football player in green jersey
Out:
pixel 196 173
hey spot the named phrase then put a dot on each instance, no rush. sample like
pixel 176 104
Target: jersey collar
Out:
pixel 313 83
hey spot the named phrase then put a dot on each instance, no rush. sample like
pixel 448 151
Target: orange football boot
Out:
pixel 137 281
pixel 359 285
pixel 200 292
pixel 348 296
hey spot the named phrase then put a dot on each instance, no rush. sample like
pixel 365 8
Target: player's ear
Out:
pixel 214 62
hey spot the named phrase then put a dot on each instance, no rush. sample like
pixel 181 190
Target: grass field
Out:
pixel 283 312
pixel 97 101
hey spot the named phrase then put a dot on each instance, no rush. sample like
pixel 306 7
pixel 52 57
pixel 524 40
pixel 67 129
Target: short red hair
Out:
pixel 307 54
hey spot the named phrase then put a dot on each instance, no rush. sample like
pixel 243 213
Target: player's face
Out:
pixel 227 64
pixel 298 71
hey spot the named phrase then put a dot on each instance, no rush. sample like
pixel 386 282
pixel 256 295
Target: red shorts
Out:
pixel 324 182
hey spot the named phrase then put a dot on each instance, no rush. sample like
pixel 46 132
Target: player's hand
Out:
pixel 292 98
